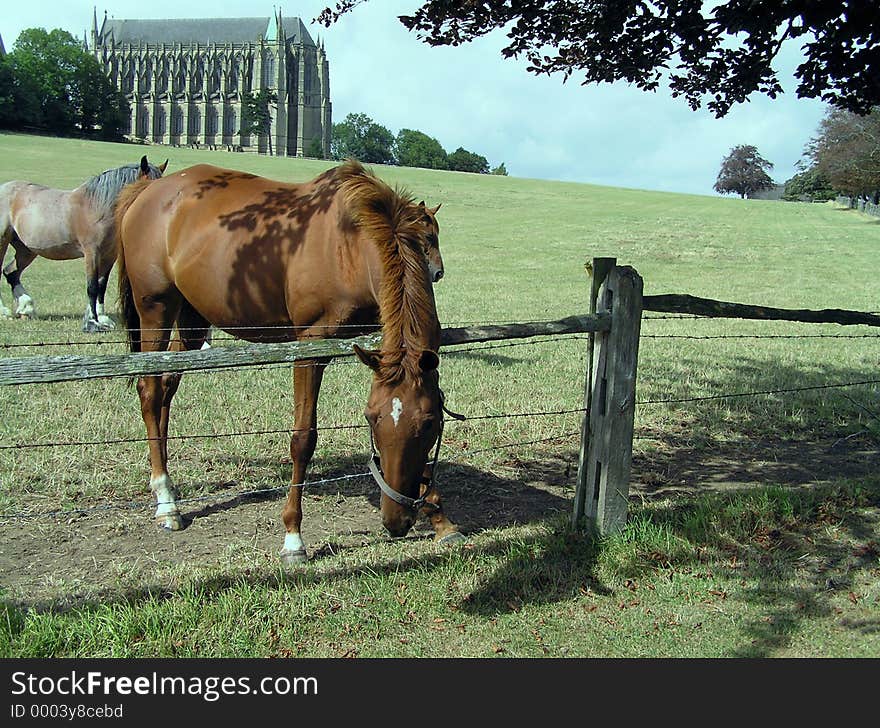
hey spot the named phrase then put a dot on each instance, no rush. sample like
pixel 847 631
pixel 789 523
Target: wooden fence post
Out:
pixel 598 271
pixel 606 452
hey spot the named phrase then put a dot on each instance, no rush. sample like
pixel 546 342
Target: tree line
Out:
pixel 842 159
pixel 49 82
pixel 361 138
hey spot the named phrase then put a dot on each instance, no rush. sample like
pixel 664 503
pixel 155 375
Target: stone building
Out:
pixel 185 81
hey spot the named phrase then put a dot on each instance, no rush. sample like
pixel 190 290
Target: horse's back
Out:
pixel 40 218
pixel 238 247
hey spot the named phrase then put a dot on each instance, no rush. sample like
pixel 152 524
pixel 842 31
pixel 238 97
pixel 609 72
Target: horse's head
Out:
pixel 431 242
pixel 405 414
pixel 152 171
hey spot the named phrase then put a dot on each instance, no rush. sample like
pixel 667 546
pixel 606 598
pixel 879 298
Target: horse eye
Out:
pixel 371 418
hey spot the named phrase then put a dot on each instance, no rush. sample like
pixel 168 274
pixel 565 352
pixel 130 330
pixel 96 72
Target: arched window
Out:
pixel 145 77
pixel 144 126
pixel 195 122
pixel 177 121
pixel 269 69
pixel 229 122
pixel 127 76
pixel 211 121
pixel 214 79
pixel 159 123
pixel 180 77
pixel 162 79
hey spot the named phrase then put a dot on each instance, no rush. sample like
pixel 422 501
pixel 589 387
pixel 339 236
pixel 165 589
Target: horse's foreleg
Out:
pixel 307 376
pixel 24 304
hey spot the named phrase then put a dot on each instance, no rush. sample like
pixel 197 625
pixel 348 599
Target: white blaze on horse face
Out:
pixel 396 410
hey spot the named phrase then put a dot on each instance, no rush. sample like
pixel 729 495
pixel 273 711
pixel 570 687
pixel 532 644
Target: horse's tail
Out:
pixel 128 310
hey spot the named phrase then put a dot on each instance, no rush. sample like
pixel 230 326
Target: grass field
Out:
pixel 754 522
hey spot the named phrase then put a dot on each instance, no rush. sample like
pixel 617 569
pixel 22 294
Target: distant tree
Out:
pixel 847 151
pixel 462 160
pixel 723 50
pixel 60 87
pixel 743 172
pixel 102 107
pixel 809 186
pixel 256 113
pixel 314 149
pixel 7 95
pixel 417 149
pixel 500 169
pixel 359 137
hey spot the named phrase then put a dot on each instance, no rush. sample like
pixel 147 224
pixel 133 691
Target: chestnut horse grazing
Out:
pixel 62 225
pixel 271 261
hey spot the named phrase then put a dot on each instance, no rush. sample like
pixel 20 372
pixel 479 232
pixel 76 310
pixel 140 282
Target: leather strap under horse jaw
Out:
pixel 413 504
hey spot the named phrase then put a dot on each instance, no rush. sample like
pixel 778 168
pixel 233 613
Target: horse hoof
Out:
pixel 170 522
pixel 292 558
pixel 453 538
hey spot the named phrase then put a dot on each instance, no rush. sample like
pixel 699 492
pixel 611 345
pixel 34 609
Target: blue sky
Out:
pixel 471 97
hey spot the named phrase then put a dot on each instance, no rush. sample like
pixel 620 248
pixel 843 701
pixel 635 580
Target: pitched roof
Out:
pixel 203 31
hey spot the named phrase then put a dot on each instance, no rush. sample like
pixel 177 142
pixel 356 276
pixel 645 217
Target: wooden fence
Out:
pixel 613 321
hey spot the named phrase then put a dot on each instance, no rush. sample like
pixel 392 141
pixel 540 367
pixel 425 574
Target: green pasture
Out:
pixel 754 522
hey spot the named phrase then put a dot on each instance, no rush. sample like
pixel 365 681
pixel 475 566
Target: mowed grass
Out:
pixel 770 570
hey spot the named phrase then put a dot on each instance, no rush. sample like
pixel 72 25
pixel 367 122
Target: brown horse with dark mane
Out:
pixel 272 261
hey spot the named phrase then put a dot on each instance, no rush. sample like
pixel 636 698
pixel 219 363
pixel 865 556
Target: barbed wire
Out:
pixel 463 418
pixel 252 493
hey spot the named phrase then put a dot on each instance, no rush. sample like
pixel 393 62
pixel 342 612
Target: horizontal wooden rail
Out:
pixel 683 303
pixel 44 369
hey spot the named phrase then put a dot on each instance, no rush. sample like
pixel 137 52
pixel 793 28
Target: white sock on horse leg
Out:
pixel 24 304
pixel 164 491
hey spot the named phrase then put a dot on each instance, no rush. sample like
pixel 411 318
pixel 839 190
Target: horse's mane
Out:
pixel 406 299
pixel 104 188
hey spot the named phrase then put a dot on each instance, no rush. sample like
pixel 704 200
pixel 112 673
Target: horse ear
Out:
pixel 162 166
pixel 371 358
pixel 433 210
pixel 145 166
pixel 422 203
pixel 429 360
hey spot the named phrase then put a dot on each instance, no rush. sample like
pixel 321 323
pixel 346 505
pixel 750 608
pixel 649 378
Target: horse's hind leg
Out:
pixel 192 331
pixel 24 256
pixel 156 322
pixel 104 267
pixel 97 271
pixel 307 376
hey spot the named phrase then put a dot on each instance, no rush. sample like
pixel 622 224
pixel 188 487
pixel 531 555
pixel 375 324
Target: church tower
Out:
pixel 187 80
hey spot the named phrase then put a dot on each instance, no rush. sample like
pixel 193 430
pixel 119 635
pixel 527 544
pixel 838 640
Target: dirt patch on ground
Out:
pixel 83 556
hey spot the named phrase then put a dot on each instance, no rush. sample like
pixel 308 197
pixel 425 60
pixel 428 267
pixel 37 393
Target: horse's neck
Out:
pixel 408 311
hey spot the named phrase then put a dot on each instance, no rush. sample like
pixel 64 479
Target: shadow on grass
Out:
pixel 794 550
